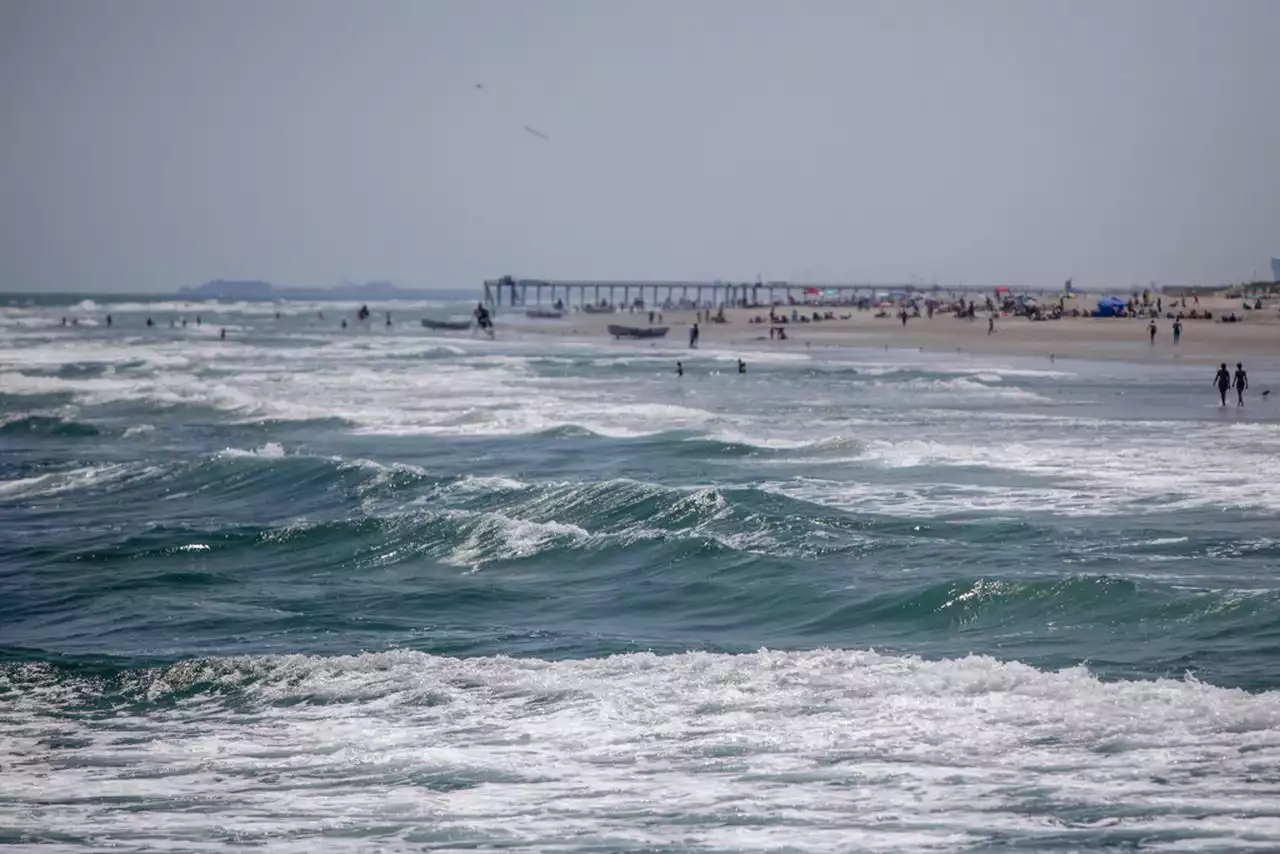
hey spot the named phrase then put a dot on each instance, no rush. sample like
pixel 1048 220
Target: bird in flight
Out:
pixel 537 133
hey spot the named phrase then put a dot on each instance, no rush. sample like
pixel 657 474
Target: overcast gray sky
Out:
pixel 149 145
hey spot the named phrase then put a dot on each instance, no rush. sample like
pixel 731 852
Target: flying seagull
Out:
pixel 537 133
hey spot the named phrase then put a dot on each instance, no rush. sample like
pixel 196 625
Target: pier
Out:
pixel 512 292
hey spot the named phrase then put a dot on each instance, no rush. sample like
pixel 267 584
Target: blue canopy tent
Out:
pixel 1109 307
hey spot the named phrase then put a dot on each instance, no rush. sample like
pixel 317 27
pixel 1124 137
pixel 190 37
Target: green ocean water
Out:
pixel 386 589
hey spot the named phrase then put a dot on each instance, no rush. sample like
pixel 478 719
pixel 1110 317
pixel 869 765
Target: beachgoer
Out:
pixel 693 337
pixel 742 367
pixel 108 320
pixel 344 323
pixel 197 320
pixel 1222 379
pixel 150 322
pixel 222 333
pixel 1177 331
pixel 679 369
pixel 1152 330
pixel 991 324
pixel 1241 383
pixel 64 321
pixel 483 321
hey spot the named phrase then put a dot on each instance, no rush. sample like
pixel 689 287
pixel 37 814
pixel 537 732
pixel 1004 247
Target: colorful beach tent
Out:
pixel 1110 306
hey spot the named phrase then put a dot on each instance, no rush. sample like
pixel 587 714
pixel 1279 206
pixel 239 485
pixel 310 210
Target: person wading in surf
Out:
pixel 1241 383
pixel 1222 379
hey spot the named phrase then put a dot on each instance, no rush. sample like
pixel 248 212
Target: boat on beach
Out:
pixel 452 325
pixel 637 331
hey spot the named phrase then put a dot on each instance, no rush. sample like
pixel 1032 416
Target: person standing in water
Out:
pixel 1241 383
pixel 693 336
pixel 742 367
pixel 1222 379
pixel 679 369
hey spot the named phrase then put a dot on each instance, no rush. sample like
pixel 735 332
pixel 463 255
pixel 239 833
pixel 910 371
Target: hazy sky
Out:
pixel 149 145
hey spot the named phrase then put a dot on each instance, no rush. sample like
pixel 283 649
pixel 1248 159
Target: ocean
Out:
pixel 381 589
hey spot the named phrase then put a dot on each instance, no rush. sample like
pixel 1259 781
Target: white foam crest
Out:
pixel 493 483
pixel 54 483
pixel 968 389
pixel 269 451
pixel 977 370
pixel 764 357
pixel 821 751
pixel 783 440
pixel 945 499
pixel 1115 473
pixel 496 537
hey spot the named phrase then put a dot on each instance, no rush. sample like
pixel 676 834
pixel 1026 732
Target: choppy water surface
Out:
pixel 383 589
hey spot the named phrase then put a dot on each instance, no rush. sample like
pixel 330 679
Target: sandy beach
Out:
pixel 1257 336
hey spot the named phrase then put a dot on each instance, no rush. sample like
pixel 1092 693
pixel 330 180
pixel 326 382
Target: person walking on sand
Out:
pixel 991 324
pixel 1152 330
pixel 1222 379
pixel 1177 331
pixel 693 337
pixel 1241 383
